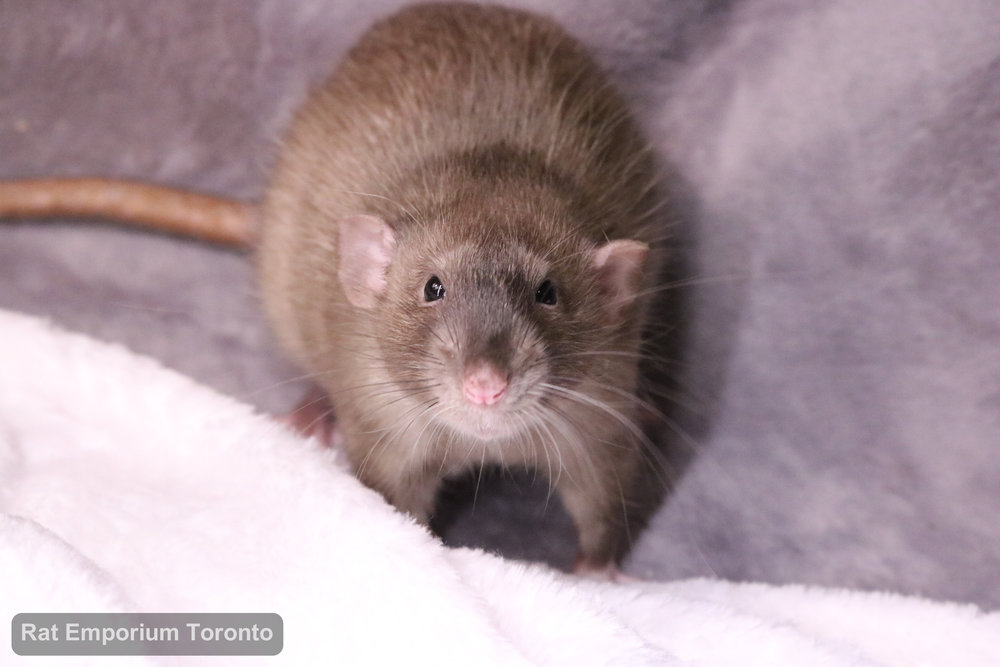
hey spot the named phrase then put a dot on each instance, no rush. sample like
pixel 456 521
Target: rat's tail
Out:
pixel 213 219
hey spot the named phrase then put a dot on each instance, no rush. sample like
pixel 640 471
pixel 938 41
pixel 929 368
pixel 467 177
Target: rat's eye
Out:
pixel 546 294
pixel 433 290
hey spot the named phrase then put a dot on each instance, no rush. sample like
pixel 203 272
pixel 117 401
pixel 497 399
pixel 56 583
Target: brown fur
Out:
pixel 499 156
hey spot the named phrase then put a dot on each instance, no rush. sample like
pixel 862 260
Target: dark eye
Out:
pixel 546 294
pixel 433 290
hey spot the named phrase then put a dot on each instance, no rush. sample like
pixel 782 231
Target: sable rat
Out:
pixel 457 243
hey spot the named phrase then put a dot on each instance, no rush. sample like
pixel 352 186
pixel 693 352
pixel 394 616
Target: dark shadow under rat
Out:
pixel 507 512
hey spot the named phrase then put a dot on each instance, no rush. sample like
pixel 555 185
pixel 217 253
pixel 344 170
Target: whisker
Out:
pixel 649 449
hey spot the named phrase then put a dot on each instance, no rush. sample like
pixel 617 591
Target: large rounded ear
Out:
pixel 619 267
pixel 364 252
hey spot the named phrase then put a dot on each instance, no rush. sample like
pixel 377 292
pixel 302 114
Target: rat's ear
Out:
pixel 364 252
pixel 619 267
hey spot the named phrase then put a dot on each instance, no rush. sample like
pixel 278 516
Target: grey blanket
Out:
pixel 839 177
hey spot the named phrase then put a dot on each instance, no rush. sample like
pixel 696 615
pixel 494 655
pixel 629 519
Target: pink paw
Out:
pixel 313 417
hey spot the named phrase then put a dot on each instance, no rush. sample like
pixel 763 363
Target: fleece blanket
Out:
pixel 837 417
pixel 127 487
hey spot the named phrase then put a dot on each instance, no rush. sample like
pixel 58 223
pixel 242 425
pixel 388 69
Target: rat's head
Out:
pixel 489 331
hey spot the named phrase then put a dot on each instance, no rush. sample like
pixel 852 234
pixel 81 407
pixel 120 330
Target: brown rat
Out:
pixel 457 244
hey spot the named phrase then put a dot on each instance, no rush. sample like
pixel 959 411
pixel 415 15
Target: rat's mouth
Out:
pixel 486 423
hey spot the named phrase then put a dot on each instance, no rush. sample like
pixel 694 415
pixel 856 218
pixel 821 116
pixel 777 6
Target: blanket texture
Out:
pixel 127 487
pixel 837 168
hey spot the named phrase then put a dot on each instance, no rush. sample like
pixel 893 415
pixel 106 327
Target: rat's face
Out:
pixel 494 337
pixel 490 336
pixel 486 331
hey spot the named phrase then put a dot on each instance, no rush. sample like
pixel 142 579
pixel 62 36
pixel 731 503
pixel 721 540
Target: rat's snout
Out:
pixel 484 384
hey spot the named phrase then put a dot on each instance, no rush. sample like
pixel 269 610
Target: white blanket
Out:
pixel 127 487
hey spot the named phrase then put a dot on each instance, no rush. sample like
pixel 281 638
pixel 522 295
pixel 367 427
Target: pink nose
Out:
pixel 484 385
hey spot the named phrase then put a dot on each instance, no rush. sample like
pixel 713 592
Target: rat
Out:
pixel 459 243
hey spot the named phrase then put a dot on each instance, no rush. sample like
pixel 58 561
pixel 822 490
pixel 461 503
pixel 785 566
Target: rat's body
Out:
pixel 481 147
pixel 456 244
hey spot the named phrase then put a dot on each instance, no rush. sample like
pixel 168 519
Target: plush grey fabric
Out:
pixel 839 178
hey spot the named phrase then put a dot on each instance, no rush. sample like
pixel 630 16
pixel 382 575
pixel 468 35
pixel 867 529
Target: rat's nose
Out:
pixel 484 385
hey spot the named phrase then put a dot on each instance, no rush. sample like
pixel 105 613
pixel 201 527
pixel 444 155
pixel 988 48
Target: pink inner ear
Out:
pixel 365 250
pixel 620 265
